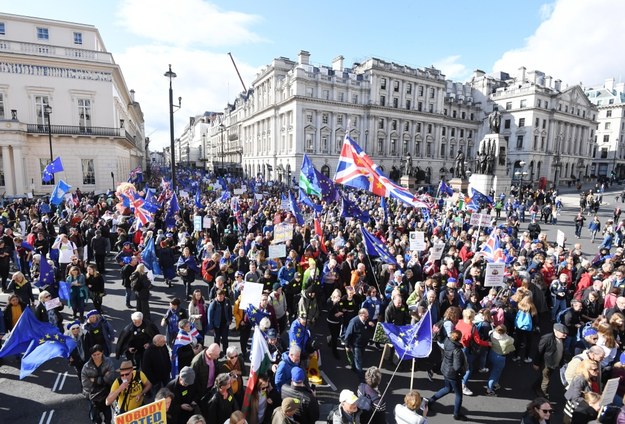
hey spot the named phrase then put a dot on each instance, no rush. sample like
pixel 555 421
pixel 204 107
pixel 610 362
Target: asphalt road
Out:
pixel 52 393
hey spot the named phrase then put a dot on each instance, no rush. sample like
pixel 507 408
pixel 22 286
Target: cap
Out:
pixel 303 315
pixel 238 274
pixel 276 286
pixel 347 396
pixel 271 334
pixel 73 324
pixel 398 273
pixel 290 405
pixel 589 332
pixel 452 280
pixel 126 365
pixel 561 328
pixel 127 243
pixel 467 281
pixel 188 375
pixel 297 375
pixel 92 313
pixel 297 275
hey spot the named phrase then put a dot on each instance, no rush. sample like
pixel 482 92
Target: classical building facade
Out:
pixel 62 94
pixel 609 152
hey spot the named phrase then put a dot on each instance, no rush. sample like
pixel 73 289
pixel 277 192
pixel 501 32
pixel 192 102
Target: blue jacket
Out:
pixel 285 275
pixel 214 313
pixel 283 373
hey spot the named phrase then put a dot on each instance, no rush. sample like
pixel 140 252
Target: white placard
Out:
pixel 207 221
pixel 436 251
pixel 251 294
pixel 197 223
pixel 417 241
pixel 258 196
pixel 277 251
pixel 285 204
pixel 494 274
pixel 481 219
pixel 561 238
pixel 282 233
pixel 53 303
pixel 183 194
pixel 238 191
pixel 609 391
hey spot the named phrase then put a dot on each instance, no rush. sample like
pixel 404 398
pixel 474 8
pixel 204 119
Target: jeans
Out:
pixel 497 364
pixel 470 361
pixel 129 294
pixel 578 230
pixel 451 385
pixel 358 351
pixel 559 304
pixel 221 337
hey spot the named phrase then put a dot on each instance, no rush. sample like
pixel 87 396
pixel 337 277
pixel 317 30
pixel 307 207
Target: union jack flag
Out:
pixel 142 210
pixel 356 169
pixel 491 250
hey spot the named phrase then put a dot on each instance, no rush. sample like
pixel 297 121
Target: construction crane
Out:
pixel 239 74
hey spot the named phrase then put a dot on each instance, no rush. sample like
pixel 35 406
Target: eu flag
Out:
pixel 384 207
pixel 52 168
pixel 308 178
pixel 349 209
pixel 375 248
pixel 198 200
pixel 172 209
pixel 46 273
pixel 329 193
pixel 303 197
pixel 255 315
pixel 49 346
pixel 224 196
pixel 444 188
pixel 27 329
pixel 59 192
pixel 411 341
pixel 295 209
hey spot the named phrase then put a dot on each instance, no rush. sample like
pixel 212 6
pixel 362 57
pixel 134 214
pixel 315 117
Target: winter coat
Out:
pixel 454 362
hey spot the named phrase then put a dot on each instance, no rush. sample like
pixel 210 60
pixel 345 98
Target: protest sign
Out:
pixel 417 241
pixel 494 274
pixel 436 251
pixel 251 294
pixel 282 233
pixel 154 413
pixel 277 251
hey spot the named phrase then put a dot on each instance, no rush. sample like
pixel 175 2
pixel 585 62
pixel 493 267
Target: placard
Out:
pixel 197 223
pixel 53 303
pixel 238 191
pixel 153 413
pixel 417 241
pixel 481 219
pixel 436 251
pixel 183 194
pixel 258 196
pixel 282 233
pixel 494 274
pixel 251 294
pixel 285 204
pixel 609 391
pixel 277 251
pixel 561 238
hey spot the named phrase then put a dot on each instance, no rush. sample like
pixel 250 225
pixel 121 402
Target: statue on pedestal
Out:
pixel 408 166
pixel 494 121
pixel 459 170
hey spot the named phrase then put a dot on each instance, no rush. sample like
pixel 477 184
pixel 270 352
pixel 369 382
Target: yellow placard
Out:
pixel 152 413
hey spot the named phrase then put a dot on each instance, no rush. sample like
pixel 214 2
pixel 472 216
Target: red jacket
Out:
pixel 470 332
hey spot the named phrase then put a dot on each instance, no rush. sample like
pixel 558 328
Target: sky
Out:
pixel 571 40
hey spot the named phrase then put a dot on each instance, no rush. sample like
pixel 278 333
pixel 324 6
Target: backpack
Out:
pixel 330 417
pixel 206 275
pixel 560 315
pixel 438 331
pixel 523 321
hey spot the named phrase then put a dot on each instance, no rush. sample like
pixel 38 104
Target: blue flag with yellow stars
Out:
pixel 411 341
pixel 46 273
pixel 27 329
pixel 49 346
pixel 255 315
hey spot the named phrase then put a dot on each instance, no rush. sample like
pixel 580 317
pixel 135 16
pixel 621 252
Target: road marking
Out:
pixel 43 417
pixel 56 382
pixel 327 379
pixel 62 381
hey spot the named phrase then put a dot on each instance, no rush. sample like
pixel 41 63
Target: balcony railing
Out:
pixel 36 49
pixel 84 131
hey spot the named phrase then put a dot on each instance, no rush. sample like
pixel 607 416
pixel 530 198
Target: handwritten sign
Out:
pixel 277 251
pixel 494 274
pixel 197 223
pixel 561 238
pixel 437 250
pixel 282 233
pixel 480 219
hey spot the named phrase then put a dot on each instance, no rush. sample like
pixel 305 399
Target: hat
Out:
pixel 127 243
pixel 238 274
pixel 188 375
pixel 297 375
pixel 297 274
pixel 290 405
pixel 271 334
pixel 347 396
pixel 92 313
pixel 561 328
pixel 452 280
pixel 398 273
pixel 303 315
pixel 276 286
pixel 467 281
pixel 589 332
pixel 126 365
pixel 169 235
pixel 73 324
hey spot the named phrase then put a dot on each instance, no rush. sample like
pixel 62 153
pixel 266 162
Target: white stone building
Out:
pixel 550 129
pixel 295 108
pixel 61 90
pixel 609 153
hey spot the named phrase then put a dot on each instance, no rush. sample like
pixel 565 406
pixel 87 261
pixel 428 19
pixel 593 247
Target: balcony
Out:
pixel 72 130
pixel 35 49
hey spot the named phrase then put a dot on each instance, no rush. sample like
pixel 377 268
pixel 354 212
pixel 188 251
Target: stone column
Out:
pixel 18 162
pixel 8 172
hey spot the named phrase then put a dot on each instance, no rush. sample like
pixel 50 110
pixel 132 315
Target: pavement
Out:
pixel 52 393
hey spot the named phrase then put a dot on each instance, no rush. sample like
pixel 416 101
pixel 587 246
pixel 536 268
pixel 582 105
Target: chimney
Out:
pixel 337 63
pixel 557 84
pixel 478 73
pixel 548 81
pixel 303 57
pixel 522 74
pixel 191 120
pixel 609 84
pixel 132 96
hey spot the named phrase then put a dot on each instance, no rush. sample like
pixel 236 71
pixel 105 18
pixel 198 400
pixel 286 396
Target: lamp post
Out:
pixel 222 128
pixel 113 179
pixel 171 75
pixel 47 111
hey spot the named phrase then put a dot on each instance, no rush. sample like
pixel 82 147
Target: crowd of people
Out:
pixel 558 310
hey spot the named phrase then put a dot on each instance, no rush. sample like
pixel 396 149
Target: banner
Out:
pixel 481 219
pixel 277 251
pixel 153 413
pixel 238 191
pixel 282 233
pixel 494 274
pixel 417 241
pixel 197 223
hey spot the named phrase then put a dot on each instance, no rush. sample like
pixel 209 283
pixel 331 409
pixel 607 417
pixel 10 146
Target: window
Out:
pixel 443 149
pixel 444 131
pixel 521 122
pixel 408 104
pixel 606 138
pixel 428 150
pixel 453 132
pixel 432 92
pixel 355 98
pixel 324 118
pixel 417 148
pixel 341 97
pixel 508 105
pixel 429 128
pixel 409 88
pixel 42 33
pixel 339 144
pixel 381 124
pixel 383 84
pixel 470 134
pixel 88 171
pixel 1 106
pixel 309 91
pixel 380 146
pixel 355 121
pixel 382 100
pixel 611 101
pixel 78 38
pixel 445 111
pixel 40 104
pixel 324 144
pixel 454 113
pixel 523 104
pixel 84 114
pixel 395 102
pixel 420 90
pixel 461 132
pixel 393 147
pixel 309 118
pixel 537 123
pixel 2 32
pixel 431 108
pixel 604 153
pixel 519 142
pixel 472 116
pixel 405 148
pixel 544 124
pixel 542 142
pixel 506 124
pixel 463 115
pixel 309 144
pixel 538 102
pixel 608 125
pixel 42 165
pixel 339 120
pixel 406 126
pixel 326 94
pixel 535 142
pixel 418 127
pixel 394 125
pixel 420 106
pixel 396 86
pixel 546 104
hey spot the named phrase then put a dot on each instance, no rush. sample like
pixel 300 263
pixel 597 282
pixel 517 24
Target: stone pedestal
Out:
pixel 459 184
pixel 482 183
pixel 495 146
pixel 408 182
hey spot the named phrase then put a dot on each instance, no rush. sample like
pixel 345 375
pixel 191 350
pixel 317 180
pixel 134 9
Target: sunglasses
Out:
pixel 547 411
pixel 125 374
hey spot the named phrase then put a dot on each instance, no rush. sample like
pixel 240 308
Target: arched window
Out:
pixel 325 170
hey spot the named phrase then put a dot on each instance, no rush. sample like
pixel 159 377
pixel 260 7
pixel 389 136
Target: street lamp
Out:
pixel 222 128
pixel 171 75
pixel 47 111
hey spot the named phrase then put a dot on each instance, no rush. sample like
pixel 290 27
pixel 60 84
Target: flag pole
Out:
pixel 412 374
